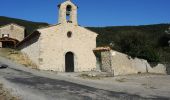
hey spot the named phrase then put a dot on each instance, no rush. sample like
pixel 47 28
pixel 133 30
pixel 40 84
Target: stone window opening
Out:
pixel 69 34
pixel 68 13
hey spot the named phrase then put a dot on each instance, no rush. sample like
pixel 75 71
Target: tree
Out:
pixel 167 31
pixel 164 40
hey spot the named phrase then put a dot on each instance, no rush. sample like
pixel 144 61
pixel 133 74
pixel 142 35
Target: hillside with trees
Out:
pixel 150 42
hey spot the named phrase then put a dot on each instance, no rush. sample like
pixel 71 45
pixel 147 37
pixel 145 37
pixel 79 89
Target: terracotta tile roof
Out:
pixel 107 48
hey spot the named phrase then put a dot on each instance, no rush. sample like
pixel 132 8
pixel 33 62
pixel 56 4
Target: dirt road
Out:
pixel 36 85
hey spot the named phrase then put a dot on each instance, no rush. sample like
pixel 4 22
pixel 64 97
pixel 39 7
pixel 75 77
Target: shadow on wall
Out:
pixel 168 68
pixel 34 38
pixel 98 64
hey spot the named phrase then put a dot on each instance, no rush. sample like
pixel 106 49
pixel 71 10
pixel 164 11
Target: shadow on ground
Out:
pixel 72 91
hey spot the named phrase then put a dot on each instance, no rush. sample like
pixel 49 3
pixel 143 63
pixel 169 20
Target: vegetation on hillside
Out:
pixel 149 42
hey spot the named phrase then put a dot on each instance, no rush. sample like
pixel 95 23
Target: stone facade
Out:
pixel 122 64
pixel 72 13
pixel 14 31
pixel 106 61
pixel 31 48
pixel 49 47
pixel 11 34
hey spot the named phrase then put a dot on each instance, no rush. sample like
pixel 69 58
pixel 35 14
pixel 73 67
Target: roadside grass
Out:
pixel 95 76
pixel 86 76
pixel 147 86
pixel 17 57
pixel 5 95
pixel 121 80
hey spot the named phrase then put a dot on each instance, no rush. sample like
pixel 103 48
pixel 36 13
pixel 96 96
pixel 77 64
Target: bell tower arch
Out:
pixel 67 13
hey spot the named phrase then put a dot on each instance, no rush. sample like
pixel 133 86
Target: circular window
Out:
pixel 69 34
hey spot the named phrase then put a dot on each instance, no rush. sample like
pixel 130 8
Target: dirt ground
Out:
pixel 5 95
pixel 47 85
pixel 17 57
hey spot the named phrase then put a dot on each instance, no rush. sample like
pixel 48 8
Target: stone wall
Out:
pixel 14 31
pixel 62 13
pixel 106 61
pixel 31 49
pixel 50 49
pixel 122 64
pixel 55 44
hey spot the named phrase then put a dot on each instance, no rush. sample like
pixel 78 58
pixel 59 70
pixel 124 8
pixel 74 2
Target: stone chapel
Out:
pixel 64 47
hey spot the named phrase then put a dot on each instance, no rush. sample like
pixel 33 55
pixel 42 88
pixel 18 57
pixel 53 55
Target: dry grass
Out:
pixel 86 76
pixel 95 75
pixel 17 57
pixel 147 86
pixel 121 80
pixel 5 95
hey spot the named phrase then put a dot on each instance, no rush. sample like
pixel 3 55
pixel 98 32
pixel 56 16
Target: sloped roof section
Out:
pixel 106 48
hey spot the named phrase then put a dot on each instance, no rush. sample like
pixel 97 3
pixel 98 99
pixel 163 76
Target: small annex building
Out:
pixel 11 35
pixel 65 47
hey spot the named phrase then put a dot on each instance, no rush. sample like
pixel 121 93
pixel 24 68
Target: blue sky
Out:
pixel 92 12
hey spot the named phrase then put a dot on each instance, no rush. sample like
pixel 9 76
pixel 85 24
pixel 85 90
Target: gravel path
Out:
pixel 5 95
pixel 37 85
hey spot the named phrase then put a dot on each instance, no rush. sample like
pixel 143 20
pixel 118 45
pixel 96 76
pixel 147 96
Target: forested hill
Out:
pixel 29 25
pixel 146 41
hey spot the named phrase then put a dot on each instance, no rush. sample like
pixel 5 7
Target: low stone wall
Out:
pixel 122 64
pixel 31 49
pixel 106 62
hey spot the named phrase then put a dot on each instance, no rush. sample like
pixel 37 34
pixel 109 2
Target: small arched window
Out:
pixel 68 12
pixel 69 34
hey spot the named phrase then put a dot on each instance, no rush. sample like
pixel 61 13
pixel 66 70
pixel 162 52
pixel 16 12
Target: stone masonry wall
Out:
pixel 50 49
pixel 122 64
pixel 106 61
pixel 62 13
pixel 55 44
pixel 31 49
pixel 14 31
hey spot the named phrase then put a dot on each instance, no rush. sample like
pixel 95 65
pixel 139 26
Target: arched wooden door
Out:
pixel 69 62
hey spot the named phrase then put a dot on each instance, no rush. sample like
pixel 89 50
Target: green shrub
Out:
pixel 146 42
